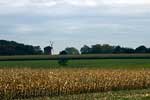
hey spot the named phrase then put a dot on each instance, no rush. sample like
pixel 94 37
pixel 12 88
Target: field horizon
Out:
pixel 82 79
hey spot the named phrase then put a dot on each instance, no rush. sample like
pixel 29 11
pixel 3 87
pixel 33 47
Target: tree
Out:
pixel 72 51
pixel 106 48
pixel 37 50
pixel 128 50
pixel 63 60
pixel 14 48
pixel 148 51
pixel 85 50
pixel 141 49
pixel 119 49
pixel 96 49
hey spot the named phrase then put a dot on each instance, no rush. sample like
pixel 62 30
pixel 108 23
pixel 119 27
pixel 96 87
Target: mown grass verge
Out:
pixel 142 94
pixel 89 56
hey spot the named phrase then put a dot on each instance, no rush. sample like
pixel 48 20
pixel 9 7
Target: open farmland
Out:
pixel 29 83
pixel 95 63
pixel 81 79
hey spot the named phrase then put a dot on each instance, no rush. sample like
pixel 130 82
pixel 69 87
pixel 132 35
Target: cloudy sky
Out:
pixel 76 22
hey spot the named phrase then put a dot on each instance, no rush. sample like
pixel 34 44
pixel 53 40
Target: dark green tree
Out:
pixel 141 49
pixel 148 50
pixel 85 50
pixel 106 48
pixel 63 60
pixel 72 51
pixel 128 50
pixel 37 50
pixel 14 48
pixel 118 49
pixel 96 49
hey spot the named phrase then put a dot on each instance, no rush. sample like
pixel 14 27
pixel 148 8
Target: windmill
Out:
pixel 49 49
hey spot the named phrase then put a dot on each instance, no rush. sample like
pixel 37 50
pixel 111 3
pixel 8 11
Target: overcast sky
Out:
pixel 76 22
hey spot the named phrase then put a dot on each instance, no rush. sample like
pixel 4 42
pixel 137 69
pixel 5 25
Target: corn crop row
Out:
pixel 29 83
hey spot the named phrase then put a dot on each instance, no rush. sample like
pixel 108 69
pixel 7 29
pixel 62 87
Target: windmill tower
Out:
pixel 49 49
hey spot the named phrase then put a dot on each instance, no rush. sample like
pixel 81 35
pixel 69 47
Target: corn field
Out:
pixel 30 83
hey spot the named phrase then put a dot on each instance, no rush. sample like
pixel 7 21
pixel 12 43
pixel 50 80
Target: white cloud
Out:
pixel 69 7
pixel 28 3
pixel 75 7
pixel 90 3
pixel 126 2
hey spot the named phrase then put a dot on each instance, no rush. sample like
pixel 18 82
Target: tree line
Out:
pixel 107 49
pixel 14 48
